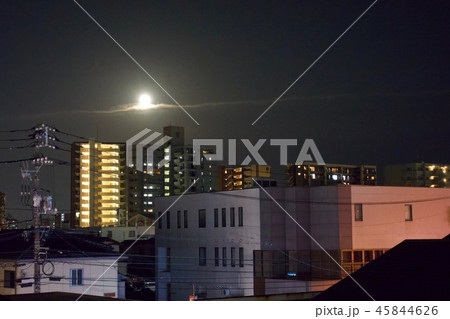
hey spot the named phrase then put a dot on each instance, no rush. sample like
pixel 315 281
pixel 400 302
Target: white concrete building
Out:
pixel 240 243
pixel 73 275
pixel 68 263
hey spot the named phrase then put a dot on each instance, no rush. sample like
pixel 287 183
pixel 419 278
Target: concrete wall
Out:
pixel 384 224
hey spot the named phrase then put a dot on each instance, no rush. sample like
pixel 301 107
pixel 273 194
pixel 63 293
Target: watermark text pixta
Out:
pixel 308 152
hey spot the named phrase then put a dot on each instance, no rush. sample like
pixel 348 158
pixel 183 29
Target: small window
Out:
pixel 368 256
pixel 357 256
pixel 216 256
pixel 216 217
pixel 178 219
pixel 224 217
pixel 76 277
pixel 408 212
pixel 109 234
pixel 168 220
pixel 201 218
pixel 185 217
pixel 224 256
pixel 9 279
pixel 233 257
pixel 358 212
pixel 240 216
pixel 347 256
pixel 159 220
pixel 232 217
pixel 202 256
pixel 241 257
pixel 132 233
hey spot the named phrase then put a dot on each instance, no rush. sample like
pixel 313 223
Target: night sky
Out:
pixel 380 95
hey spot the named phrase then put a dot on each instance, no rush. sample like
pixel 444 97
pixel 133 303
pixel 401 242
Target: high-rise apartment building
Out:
pixel 2 211
pixel 417 174
pixel 98 194
pixel 313 174
pixel 242 177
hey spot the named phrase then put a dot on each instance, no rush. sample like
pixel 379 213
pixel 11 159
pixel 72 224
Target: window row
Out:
pixel 359 216
pixel 222 259
pixel 225 219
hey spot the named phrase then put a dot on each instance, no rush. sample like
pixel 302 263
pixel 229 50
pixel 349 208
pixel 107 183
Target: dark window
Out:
pixel 168 220
pixel 132 233
pixel 168 256
pixel 109 234
pixel 233 257
pixel 408 212
pixel 159 220
pixel 232 217
pixel 240 216
pixel 216 217
pixel 202 256
pixel 201 218
pixel 9 279
pixel 358 212
pixel 224 256
pixel 368 255
pixel 76 277
pixel 241 257
pixel 357 256
pixel 216 256
pixel 185 213
pixel 224 217
pixel 178 219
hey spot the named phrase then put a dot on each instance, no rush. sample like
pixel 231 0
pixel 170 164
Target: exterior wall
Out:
pixel 121 234
pixel 275 245
pixel 108 285
pixel 179 271
pixel 384 224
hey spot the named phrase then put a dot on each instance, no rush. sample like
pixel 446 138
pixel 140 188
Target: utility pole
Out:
pixel 40 204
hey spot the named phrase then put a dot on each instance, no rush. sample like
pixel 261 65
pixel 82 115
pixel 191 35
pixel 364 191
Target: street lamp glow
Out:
pixel 145 102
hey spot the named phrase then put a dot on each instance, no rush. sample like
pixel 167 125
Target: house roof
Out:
pixel 18 244
pixel 412 270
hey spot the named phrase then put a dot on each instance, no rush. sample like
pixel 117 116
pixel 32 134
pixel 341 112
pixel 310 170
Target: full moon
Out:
pixel 145 102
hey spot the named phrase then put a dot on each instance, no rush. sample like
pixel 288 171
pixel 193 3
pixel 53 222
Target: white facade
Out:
pixel 73 275
pixel 346 220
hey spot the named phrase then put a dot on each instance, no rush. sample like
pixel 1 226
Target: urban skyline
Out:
pixel 363 83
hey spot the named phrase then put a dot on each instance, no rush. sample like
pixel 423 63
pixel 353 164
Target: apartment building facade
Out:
pixel 98 184
pixel 313 174
pixel 242 177
pixel 417 174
